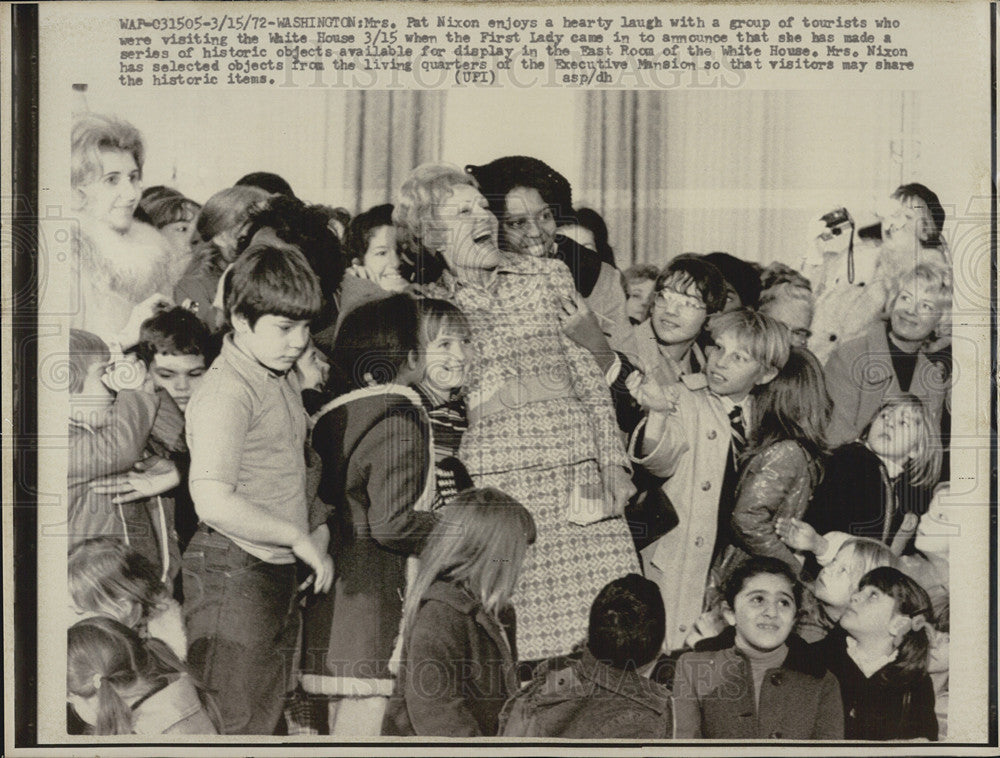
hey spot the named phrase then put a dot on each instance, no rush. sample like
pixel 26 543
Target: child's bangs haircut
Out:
pixel 173 332
pixel 440 317
pixel 375 340
pixel 755 566
pixel 708 280
pixel 762 336
pixel 627 623
pixel 93 133
pixel 479 542
pixel 925 465
pixel 85 349
pixel 362 227
pixel 272 280
pixel 105 571
pixel 427 187
pixel 913 601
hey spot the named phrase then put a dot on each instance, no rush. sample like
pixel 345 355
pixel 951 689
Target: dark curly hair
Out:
pixel 305 227
pixel 498 178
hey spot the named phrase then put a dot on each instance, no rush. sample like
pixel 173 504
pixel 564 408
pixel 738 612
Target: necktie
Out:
pixel 739 430
pixel 727 495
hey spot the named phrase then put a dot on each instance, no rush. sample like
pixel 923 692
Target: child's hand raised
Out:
pixel 650 394
pixel 798 535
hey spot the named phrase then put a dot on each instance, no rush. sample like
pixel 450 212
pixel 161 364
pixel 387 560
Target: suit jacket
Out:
pixel 860 376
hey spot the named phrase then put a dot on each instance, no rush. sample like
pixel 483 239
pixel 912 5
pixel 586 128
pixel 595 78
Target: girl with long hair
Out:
pixel 108 578
pixel 458 666
pixel 120 683
pixel 782 463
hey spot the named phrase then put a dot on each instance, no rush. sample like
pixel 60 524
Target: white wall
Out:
pixel 838 142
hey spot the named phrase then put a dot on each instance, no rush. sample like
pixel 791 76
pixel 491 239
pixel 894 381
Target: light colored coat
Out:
pixel 860 376
pixel 691 455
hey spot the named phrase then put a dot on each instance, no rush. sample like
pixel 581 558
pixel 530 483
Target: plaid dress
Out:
pixel 542 429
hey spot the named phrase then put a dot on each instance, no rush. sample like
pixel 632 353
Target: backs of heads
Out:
pixel 306 227
pixel 794 405
pixel 627 623
pixel 916 190
pixel 227 210
pixel 375 340
pixel 499 177
pixel 741 275
pixel 272 184
pixel 104 657
pixel 85 348
pixel 105 572
pixel 479 542
pixel 167 206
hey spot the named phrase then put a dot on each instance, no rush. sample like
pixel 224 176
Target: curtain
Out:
pixel 386 134
pixel 738 171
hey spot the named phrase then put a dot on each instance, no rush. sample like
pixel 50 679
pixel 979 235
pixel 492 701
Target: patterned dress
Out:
pixel 542 428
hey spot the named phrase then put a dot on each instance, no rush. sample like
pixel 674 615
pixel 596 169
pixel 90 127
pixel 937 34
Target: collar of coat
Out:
pixel 583 668
pixel 366 392
pixel 798 659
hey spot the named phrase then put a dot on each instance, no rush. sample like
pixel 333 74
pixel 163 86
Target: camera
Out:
pixel 836 220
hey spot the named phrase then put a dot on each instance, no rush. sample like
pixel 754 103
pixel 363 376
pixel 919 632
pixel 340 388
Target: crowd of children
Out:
pixel 441 470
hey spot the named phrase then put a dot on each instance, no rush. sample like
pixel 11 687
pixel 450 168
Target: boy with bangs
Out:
pixel 246 430
pixel 692 437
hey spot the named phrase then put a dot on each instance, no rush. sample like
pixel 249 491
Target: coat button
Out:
pixel 682 628
pixel 712 434
pixel 706 486
pixel 699 541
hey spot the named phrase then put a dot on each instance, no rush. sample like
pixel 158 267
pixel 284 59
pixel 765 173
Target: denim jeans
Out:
pixel 243 629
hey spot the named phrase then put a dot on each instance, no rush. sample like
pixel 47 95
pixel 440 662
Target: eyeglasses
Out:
pixel 688 303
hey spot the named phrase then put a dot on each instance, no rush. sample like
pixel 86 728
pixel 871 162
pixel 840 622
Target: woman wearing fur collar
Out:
pixel 121 267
